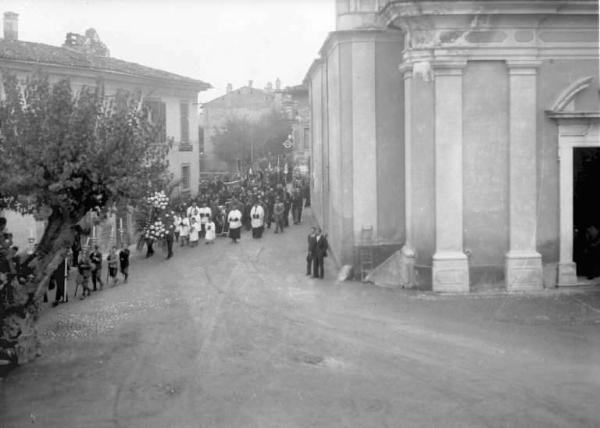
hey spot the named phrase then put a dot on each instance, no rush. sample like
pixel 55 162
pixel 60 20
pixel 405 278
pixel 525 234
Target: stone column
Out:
pixel 567 273
pixel 523 269
pixel 408 256
pixel 450 264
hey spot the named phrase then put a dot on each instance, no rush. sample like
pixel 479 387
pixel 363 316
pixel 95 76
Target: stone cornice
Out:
pixel 497 24
pixel 406 9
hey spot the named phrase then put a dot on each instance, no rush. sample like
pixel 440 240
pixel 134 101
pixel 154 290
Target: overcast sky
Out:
pixel 218 41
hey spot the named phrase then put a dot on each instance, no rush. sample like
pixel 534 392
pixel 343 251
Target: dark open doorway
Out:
pixel 586 210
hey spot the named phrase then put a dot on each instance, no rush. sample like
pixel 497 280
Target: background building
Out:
pixel 253 104
pixel 85 60
pixel 459 132
pixel 245 102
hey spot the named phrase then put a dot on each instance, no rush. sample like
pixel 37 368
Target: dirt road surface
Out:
pixel 237 336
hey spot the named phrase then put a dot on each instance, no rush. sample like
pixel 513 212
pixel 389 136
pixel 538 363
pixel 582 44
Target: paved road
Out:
pixel 236 336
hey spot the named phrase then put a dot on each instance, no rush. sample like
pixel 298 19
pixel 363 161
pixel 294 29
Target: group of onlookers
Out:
pixel 89 270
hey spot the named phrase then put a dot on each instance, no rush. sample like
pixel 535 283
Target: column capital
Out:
pixel 406 69
pixel 449 67
pixel 523 67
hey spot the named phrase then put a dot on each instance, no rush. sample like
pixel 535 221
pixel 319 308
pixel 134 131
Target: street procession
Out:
pixel 289 214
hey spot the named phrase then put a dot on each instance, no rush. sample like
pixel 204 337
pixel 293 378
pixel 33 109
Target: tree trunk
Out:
pixel 18 334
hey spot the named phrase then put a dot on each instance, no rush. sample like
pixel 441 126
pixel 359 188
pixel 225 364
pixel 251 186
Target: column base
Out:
pixel 408 258
pixel 450 272
pixel 523 271
pixel 567 275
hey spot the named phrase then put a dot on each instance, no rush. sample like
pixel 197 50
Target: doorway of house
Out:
pixel 586 211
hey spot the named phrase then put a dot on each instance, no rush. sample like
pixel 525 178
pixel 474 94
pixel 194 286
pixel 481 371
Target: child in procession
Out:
pixel 194 232
pixel 211 232
pixel 184 231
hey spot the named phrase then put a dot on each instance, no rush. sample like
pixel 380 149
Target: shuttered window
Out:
pixel 185 177
pixel 158 117
pixel 184 109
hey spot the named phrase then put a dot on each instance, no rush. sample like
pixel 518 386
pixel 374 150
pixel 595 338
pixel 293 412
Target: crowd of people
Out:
pixel 227 205
pixel 224 207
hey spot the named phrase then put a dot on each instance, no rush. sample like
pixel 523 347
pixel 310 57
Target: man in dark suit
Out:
pixel 96 259
pixel 311 239
pixel 319 252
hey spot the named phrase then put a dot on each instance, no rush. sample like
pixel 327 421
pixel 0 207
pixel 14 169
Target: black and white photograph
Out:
pixel 299 213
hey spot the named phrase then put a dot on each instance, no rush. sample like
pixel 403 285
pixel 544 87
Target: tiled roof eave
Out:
pixel 188 85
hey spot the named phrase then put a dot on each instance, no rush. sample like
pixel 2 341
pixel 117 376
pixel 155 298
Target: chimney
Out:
pixel 229 87
pixel 278 84
pixel 249 83
pixel 11 26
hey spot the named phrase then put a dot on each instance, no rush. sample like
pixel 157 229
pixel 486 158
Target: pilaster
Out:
pixel 408 256
pixel 567 272
pixel 450 264
pixel 523 264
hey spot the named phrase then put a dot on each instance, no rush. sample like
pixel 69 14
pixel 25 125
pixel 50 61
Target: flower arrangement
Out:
pixel 155 217
pixel 159 200
pixel 156 230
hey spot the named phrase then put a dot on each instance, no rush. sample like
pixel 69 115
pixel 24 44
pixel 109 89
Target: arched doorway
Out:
pixel 579 158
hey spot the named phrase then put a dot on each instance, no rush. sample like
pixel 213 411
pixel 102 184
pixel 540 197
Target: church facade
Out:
pixel 462 135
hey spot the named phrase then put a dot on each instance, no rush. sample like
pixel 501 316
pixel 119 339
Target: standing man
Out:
pixel 287 205
pixel 193 210
pixel 257 220
pixel 278 211
pixel 96 259
pixel 234 218
pixel 297 202
pixel 76 247
pixel 169 238
pixel 113 265
pixel 124 262
pixel 311 240
pixel 205 215
pixel 319 252
pixel 59 277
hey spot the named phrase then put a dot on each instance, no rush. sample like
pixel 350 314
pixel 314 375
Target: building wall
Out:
pixel 316 115
pixel 346 152
pixel 484 177
pixel 485 168
pixel 357 132
pixel 389 104
pixel 334 154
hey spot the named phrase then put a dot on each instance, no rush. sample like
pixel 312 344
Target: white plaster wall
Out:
pixel 364 135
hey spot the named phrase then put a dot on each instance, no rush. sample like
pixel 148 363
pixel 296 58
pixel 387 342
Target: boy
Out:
pixel 124 261
pixel 113 265
pixel 84 266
